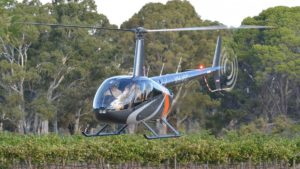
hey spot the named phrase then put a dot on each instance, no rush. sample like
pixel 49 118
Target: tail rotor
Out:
pixel 229 69
pixel 226 61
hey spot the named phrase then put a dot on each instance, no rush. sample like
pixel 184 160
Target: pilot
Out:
pixel 127 97
pixel 115 91
pixel 121 99
pixel 138 94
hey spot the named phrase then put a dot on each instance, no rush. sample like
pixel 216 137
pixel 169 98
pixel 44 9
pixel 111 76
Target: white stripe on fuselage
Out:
pixel 132 117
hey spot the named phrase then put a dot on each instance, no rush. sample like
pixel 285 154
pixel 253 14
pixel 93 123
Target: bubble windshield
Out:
pixel 121 93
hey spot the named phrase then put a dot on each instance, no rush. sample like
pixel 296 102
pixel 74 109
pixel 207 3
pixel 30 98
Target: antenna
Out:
pixel 179 65
pixel 148 69
pixel 162 68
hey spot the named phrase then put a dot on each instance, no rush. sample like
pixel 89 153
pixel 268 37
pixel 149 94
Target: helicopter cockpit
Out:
pixel 119 93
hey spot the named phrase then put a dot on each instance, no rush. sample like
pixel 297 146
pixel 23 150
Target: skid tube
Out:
pixel 101 133
pixel 158 136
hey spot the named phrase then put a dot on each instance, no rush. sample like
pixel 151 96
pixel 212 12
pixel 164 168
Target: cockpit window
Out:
pixel 123 93
pixel 108 91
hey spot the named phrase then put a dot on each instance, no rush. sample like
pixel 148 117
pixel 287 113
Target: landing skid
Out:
pixel 157 136
pixel 101 133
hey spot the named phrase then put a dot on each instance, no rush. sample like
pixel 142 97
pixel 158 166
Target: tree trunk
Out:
pixel 22 126
pixel 1 126
pixel 131 128
pixel 297 98
pixel 35 124
pixel 77 120
pixel 187 125
pixel 45 127
pixel 1 121
pixel 162 128
pixel 55 123
pixel 275 95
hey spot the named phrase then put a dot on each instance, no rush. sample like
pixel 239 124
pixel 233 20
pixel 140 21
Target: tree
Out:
pixel 37 69
pixel 69 56
pixel 15 72
pixel 271 62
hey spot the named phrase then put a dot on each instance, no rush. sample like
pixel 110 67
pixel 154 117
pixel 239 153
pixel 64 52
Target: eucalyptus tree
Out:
pixel 42 66
pixel 271 63
pixel 16 73
pixel 71 60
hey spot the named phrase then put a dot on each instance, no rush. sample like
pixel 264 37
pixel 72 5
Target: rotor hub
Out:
pixel 139 32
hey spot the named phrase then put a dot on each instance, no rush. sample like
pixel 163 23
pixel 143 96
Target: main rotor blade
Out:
pixel 77 26
pixel 204 28
pixel 141 29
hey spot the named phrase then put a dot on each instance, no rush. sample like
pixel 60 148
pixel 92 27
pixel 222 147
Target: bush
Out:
pixel 53 149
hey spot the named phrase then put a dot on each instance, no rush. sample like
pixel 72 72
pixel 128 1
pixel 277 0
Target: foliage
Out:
pixel 52 60
pixel 199 148
pixel 270 62
pixel 281 126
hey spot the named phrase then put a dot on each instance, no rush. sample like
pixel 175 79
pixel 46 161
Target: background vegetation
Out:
pixel 48 76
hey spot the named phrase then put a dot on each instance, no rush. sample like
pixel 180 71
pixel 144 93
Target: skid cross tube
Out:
pixel 157 136
pixel 100 132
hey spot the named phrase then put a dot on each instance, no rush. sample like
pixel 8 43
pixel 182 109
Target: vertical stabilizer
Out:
pixel 216 63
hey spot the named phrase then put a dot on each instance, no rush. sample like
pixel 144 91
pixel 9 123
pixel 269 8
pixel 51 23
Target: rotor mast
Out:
pixel 139 55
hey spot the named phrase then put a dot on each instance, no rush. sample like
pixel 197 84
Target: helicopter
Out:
pixel 136 98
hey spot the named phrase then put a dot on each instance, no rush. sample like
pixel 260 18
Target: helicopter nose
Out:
pixel 100 110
